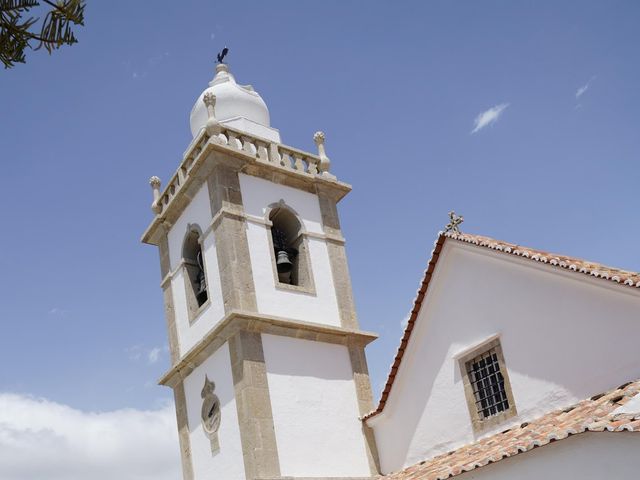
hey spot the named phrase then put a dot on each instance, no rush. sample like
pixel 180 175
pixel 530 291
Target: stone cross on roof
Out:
pixel 454 222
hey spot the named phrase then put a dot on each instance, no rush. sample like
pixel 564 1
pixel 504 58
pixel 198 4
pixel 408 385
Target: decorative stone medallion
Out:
pixel 210 413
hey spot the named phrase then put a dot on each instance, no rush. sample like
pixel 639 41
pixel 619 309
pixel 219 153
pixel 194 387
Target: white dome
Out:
pixel 233 101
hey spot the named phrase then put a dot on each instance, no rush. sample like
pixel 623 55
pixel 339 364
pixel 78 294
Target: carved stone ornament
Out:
pixel 155 182
pixel 454 223
pixel 212 125
pixel 325 163
pixel 210 413
pixel 155 187
pixel 209 99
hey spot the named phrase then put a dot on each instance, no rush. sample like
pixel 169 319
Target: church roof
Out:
pixel 623 278
pixel 609 411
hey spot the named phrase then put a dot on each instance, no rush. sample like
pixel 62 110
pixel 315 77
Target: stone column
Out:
pixel 167 293
pixel 232 246
pixel 183 430
pixel 338 259
pixel 365 402
pixel 253 403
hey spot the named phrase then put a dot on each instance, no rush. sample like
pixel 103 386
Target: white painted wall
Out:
pixel 588 456
pixel 315 410
pixel 228 462
pixel 198 212
pixel 257 195
pixel 565 337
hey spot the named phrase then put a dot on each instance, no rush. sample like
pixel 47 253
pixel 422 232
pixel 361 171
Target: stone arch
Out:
pixel 290 249
pixel 195 277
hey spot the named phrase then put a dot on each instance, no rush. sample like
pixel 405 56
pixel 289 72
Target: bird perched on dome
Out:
pixel 222 54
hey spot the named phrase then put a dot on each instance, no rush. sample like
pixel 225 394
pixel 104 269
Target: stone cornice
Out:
pixel 249 154
pixel 236 321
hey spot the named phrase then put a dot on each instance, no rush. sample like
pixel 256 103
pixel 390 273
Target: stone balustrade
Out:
pixel 258 149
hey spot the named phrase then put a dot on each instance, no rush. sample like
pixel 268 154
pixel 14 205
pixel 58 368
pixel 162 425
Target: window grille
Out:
pixel 487 384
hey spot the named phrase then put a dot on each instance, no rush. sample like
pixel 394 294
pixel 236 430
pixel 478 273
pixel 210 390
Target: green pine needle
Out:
pixel 18 34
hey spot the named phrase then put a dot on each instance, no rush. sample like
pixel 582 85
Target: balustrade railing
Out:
pixel 260 149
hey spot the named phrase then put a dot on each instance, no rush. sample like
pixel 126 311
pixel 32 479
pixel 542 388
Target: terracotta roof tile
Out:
pixel 594 269
pixel 624 278
pixel 596 414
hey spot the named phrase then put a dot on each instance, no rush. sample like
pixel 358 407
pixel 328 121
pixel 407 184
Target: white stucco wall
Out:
pixel 228 462
pixel 565 337
pixel 198 212
pixel 315 410
pixel 588 456
pixel 257 195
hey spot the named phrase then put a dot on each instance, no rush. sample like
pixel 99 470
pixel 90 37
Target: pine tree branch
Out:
pixel 30 35
pixel 71 9
pixel 55 31
pixel 10 5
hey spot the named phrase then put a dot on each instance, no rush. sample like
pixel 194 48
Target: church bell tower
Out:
pixel 267 359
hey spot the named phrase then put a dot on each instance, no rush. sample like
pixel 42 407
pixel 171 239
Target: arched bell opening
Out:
pixel 195 276
pixel 287 238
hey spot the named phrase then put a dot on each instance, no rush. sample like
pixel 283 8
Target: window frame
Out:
pixel 193 309
pixel 481 424
pixel 303 257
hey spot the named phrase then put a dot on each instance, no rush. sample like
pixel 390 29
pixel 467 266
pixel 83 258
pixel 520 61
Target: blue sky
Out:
pixel 397 87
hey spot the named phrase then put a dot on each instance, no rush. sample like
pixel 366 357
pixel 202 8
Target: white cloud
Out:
pixel 488 117
pixel 43 439
pixel 583 89
pixel 405 320
pixel 154 355
pixel 58 312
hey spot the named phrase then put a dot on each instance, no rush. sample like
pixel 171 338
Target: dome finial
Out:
pixel 238 106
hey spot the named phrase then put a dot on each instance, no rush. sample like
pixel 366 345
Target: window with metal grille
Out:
pixel 487 383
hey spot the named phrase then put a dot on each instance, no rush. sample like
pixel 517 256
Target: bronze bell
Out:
pixel 283 262
pixel 284 266
pixel 201 294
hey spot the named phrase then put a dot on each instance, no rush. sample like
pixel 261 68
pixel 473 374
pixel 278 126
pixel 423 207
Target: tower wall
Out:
pixel 316 303
pixel 283 348
pixel 227 463
pixel 315 408
pixel 192 330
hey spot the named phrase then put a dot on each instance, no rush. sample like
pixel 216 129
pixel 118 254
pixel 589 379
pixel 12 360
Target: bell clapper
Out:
pixel 201 295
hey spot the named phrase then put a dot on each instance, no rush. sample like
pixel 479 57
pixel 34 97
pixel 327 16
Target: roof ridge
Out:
pixel 595 269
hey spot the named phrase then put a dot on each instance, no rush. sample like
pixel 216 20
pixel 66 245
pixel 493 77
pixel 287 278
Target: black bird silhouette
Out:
pixel 222 54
